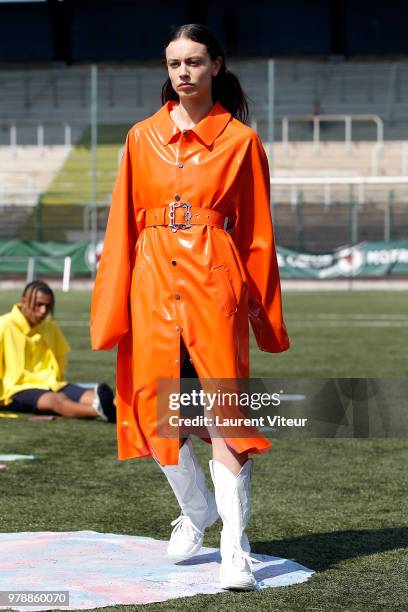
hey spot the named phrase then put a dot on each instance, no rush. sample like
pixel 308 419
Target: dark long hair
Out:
pixel 226 87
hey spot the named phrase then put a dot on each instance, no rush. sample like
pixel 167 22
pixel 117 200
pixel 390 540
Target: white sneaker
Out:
pixel 197 504
pixel 236 571
pixel 232 494
pixel 185 540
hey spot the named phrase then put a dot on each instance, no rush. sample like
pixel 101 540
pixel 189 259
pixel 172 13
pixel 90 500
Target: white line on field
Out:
pixel 342 316
pixel 348 323
pixel 298 322
pixel 352 316
pixel 73 323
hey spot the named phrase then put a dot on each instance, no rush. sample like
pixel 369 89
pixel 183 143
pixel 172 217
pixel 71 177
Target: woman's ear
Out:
pixel 217 65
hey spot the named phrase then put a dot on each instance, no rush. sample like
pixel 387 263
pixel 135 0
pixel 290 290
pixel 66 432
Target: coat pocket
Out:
pixel 225 291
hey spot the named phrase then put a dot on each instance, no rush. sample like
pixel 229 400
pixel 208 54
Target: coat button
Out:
pixel 177 328
pixel 186 132
pixel 180 165
pixel 177 197
pixel 177 296
pixel 173 262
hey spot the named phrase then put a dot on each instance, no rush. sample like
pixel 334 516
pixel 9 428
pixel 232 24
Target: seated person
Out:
pixel 32 363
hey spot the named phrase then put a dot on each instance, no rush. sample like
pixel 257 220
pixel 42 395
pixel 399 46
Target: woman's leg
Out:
pixel 227 456
pixel 187 480
pixel 197 504
pixel 231 473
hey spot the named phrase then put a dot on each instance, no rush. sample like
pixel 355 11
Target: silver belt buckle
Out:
pixel 187 216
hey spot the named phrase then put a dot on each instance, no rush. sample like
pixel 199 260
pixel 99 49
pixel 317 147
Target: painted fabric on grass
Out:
pixel 105 569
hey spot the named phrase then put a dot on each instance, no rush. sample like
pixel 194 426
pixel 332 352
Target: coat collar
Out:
pixel 207 129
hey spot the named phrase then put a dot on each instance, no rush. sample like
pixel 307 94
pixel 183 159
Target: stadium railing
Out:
pixel 329 191
pixel 317 121
pixel 28 264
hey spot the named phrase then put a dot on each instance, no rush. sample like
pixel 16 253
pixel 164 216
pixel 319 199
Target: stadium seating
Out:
pixel 55 98
pixel 129 93
pixel 26 172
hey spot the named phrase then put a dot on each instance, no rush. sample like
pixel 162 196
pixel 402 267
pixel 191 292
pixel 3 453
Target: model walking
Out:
pixel 172 279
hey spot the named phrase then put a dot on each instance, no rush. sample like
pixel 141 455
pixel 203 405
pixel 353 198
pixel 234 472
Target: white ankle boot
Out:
pixel 233 497
pixel 197 504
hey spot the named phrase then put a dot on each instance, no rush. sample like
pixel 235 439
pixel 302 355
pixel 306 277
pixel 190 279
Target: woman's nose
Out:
pixel 184 70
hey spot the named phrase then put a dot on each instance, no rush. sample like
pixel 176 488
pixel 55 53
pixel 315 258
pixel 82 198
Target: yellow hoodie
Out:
pixel 30 357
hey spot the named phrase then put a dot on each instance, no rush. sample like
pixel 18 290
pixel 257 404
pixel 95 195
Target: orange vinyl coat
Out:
pixel 221 279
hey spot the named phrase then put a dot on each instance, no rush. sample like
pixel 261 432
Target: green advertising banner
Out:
pixel 367 259
pixel 48 257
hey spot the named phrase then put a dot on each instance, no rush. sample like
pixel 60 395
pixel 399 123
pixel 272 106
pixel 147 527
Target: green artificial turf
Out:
pixel 338 506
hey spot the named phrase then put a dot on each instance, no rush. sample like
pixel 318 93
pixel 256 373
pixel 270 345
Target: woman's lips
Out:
pixel 183 85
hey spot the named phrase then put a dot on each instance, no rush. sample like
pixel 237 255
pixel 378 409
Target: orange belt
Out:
pixel 181 215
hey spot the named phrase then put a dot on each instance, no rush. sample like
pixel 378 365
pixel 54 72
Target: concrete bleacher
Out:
pixel 323 225
pixel 362 159
pixel 319 229
pixel 27 171
pixel 307 219
pixel 57 97
pixel 129 93
pixel 334 160
pixel 12 219
pixel 346 87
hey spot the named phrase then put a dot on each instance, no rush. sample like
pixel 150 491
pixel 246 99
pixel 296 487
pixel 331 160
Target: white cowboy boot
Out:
pixel 233 497
pixel 197 503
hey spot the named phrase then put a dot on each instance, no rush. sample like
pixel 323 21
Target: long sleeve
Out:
pixel 61 349
pixel 110 318
pixel 253 235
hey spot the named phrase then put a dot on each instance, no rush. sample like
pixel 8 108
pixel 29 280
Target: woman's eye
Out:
pixel 190 63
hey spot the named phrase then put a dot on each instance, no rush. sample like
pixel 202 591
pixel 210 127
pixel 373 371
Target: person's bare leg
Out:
pixel 62 405
pixel 231 474
pixel 224 454
pixel 88 397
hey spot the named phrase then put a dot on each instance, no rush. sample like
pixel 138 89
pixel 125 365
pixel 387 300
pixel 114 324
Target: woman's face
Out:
pixel 190 68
